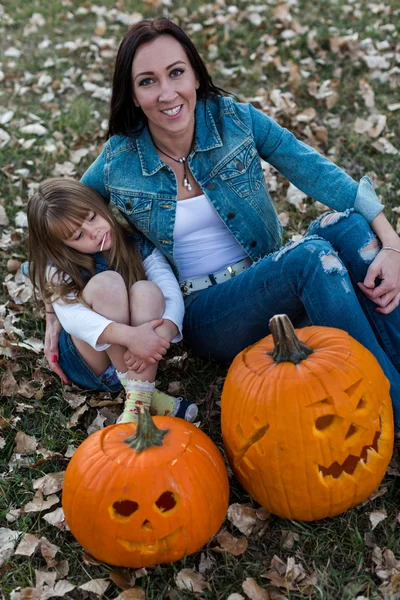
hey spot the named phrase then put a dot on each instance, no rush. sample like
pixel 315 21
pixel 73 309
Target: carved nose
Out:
pixel 147 525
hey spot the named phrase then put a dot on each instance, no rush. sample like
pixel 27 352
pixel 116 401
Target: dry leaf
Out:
pixel 96 586
pixel 48 551
pixel 253 590
pixel 296 197
pixel 243 517
pixel 27 545
pixel 49 484
pixel 383 145
pixel 207 563
pixel 235 597
pixel 377 516
pixel 38 503
pixel 56 518
pixel 187 579
pixel 174 387
pixel 124 579
pixel 25 444
pixel 135 593
pixel 97 423
pixel 289 538
pixel 8 540
pixel 231 544
pixel 73 422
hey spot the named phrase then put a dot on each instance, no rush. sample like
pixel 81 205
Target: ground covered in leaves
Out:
pixel 329 71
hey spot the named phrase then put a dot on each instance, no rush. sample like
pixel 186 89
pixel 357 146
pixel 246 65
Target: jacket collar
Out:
pixel 206 138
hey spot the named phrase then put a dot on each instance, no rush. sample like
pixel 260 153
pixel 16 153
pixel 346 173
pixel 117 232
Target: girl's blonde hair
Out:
pixel 55 211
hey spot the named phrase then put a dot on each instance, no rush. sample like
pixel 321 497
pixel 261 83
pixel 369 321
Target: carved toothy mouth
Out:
pixel 151 547
pixel 336 469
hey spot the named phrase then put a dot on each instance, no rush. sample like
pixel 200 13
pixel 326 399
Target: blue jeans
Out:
pixel 315 278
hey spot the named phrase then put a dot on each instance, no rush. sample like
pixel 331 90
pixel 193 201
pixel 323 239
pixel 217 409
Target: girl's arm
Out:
pixel 159 271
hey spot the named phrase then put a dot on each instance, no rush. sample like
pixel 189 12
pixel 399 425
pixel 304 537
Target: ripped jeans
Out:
pixel 310 280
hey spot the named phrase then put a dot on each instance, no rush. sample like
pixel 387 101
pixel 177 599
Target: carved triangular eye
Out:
pixel 166 502
pixel 125 508
pixel 326 421
pixel 352 430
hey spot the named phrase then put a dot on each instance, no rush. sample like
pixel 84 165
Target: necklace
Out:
pixel 181 160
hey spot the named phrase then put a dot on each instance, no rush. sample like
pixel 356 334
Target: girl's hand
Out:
pixel 386 267
pixel 52 335
pixel 145 344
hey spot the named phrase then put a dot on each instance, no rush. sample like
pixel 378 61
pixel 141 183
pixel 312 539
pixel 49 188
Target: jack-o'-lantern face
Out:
pixel 150 528
pixel 152 506
pixel 318 435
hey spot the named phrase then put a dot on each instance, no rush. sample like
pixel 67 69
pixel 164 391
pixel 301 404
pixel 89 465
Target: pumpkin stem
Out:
pixel 288 347
pixel 147 434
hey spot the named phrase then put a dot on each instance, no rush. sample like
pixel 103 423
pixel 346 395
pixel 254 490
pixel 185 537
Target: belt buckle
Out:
pixel 231 271
pixel 186 287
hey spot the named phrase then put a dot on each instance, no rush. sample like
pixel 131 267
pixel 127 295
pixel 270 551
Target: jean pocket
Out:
pixel 243 173
pixel 135 207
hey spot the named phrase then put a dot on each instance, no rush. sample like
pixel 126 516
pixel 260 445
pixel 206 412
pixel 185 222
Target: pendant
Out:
pixel 187 184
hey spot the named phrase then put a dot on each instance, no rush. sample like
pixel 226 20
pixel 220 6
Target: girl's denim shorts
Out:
pixel 78 371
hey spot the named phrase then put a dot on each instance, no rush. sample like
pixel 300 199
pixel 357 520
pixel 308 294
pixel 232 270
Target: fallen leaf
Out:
pixel 377 516
pixel 27 545
pixel 56 518
pixel 73 421
pixel 207 563
pixel 49 484
pixel 187 579
pixel 123 579
pixel 39 504
pixel 235 597
pixel 253 590
pixel 289 538
pixel 296 197
pixel 25 444
pixel 384 146
pixel 48 551
pixel 231 544
pixel 135 593
pixel 97 423
pixel 242 517
pixel 96 586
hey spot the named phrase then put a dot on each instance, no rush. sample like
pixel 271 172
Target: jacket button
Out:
pixel 128 205
pixel 211 186
pixel 231 215
pixel 253 244
pixel 239 165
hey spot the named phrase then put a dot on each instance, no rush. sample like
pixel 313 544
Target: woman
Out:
pixel 183 165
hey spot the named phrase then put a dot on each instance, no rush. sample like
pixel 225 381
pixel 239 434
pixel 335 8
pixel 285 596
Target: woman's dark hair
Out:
pixel 125 117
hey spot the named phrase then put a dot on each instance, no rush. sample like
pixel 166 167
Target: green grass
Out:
pixel 339 550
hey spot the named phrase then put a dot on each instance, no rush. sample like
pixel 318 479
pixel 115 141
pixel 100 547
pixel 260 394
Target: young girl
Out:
pixel 116 324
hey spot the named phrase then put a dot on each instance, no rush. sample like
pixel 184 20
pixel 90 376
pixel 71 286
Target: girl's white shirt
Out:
pixel 85 324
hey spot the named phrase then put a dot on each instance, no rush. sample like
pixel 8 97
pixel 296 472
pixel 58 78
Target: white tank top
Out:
pixel 202 242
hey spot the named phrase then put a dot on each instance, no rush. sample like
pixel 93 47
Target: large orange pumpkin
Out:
pixel 137 496
pixel 307 425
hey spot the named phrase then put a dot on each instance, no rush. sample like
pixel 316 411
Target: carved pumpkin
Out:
pixel 307 426
pixel 136 495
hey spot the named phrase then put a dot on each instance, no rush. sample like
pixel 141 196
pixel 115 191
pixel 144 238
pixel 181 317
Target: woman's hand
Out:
pixel 52 335
pixel 386 267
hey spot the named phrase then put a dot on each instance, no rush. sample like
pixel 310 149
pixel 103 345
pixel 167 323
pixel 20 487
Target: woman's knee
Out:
pixel 312 253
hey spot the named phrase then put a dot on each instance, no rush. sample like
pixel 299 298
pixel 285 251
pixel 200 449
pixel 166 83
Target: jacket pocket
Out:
pixel 135 208
pixel 243 173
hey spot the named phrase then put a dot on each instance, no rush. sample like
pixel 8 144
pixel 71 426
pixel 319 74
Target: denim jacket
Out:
pixel 230 140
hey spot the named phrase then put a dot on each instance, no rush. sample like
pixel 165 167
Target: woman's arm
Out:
pixel 310 171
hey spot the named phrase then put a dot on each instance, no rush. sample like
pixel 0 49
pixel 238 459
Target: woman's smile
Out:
pixel 164 87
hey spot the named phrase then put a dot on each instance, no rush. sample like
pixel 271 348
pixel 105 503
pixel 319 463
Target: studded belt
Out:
pixel 201 283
